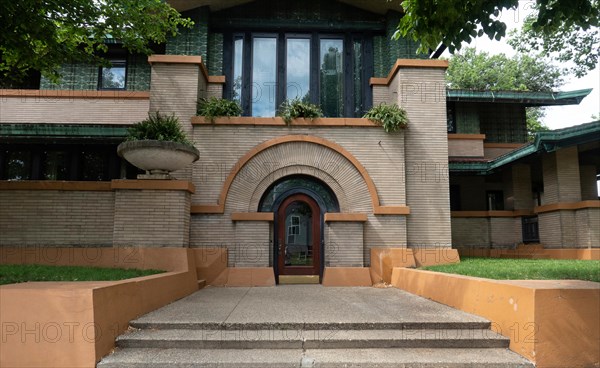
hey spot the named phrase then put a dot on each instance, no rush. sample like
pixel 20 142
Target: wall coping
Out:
pixel 392 210
pixel 480 137
pixel 278 121
pixel 187 59
pixel 252 216
pixel 154 185
pixel 406 64
pixel 567 206
pixel 485 214
pixel 98 186
pixel 345 217
pixel 75 94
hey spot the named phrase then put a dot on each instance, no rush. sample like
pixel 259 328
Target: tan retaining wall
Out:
pixel 552 323
pixel 77 323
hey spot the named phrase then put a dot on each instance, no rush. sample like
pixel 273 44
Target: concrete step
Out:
pixel 146 324
pixel 312 339
pixel 318 358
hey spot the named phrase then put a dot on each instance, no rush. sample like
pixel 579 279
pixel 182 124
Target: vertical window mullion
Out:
pixel 281 70
pixel 247 75
pixel 314 69
pixel 348 73
pixel 368 72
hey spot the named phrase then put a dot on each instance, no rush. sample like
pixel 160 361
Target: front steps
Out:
pixel 306 326
pixel 458 344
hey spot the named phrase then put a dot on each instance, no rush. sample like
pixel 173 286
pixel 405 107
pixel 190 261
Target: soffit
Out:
pixel 375 6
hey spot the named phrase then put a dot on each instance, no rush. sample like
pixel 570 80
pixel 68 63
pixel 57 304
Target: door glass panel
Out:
pixel 238 47
pixel 298 234
pixel 298 69
pixel 264 76
pixel 331 79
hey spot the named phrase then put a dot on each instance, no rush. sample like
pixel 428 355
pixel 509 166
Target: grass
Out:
pixel 12 274
pixel 523 269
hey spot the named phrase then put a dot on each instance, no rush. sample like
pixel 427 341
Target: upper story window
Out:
pixel 113 76
pixel 330 70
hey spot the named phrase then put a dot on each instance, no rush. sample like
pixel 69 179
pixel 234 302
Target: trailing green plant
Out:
pixel 391 117
pixel 296 108
pixel 158 127
pixel 213 107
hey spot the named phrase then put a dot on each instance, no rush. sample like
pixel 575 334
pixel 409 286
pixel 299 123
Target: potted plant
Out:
pixel 213 107
pixel 296 108
pixel 158 145
pixel 391 117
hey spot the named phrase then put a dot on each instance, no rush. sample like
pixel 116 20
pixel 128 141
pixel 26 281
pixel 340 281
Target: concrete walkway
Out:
pixel 307 306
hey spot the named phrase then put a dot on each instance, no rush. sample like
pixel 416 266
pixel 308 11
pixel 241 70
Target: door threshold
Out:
pixel 298 279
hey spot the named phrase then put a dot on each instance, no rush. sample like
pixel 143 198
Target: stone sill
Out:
pixel 277 121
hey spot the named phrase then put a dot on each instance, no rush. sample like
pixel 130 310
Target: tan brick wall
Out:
pixel 214 90
pixel 589 188
pixel 222 146
pixel 588 227
pixel 252 246
pixel 505 231
pixel 561 176
pixel 518 190
pixel 385 231
pixel 60 218
pixel 422 92
pixel 65 110
pixel 152 218
pixel 559 229
pixel 344 244
pixel 465 148
pixel 468 232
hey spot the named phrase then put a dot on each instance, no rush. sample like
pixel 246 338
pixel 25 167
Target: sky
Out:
pixel 556 116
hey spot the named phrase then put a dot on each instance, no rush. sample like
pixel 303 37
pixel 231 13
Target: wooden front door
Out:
pixel 299 236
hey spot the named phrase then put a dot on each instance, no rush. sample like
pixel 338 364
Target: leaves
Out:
pixel 296 108
pixel 43 35
pixel 568 28
pixel 217 107
pixel 391 117
pixel 484 72
pixel 158 127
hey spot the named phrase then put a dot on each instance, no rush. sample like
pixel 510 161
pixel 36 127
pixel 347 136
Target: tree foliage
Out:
pixel 43 34
pixel 555 24
pixel 482 71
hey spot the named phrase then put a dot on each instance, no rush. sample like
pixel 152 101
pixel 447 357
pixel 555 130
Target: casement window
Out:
pixel 330 70
pixel 113 77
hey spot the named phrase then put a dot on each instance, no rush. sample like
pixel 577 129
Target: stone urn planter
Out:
pixel 158 158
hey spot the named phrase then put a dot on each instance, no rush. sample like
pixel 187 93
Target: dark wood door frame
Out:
pixel 276 207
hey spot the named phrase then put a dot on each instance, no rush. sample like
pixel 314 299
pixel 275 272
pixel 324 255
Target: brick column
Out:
pixel 177 83
pixel 419 88
pixel 562 184
pixel 152 213
pixel 518 189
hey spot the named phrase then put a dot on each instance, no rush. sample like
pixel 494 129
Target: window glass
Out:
pixel 298 69
pixel 55 165
pixel 264 76
pixel 18 165
pixel 331 79
pixel 113 77
pixel 358 80
pixel 299 182
pixel 238 48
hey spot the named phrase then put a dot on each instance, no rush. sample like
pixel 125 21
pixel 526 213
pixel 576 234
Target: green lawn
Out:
pixel 11 274
pixel 523 269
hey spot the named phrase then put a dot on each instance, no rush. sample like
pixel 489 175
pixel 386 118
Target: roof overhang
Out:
pixel 517 97
pixel 549 141
pixel 375 6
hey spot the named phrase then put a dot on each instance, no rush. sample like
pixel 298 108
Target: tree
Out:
pixel 43 34
pixel 452 22
pixel 482 71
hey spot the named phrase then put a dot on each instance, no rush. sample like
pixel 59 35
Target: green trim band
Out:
pixel 62 131
pixel 524 98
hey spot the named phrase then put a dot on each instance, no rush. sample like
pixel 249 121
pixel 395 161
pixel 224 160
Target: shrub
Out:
pixel 293 109
pixel 158 127
pixel 391 117
pixel 213 107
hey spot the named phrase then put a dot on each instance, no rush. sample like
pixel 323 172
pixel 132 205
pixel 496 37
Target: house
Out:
pixel 301 198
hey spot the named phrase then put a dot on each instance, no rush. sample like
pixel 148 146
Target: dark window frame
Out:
pixel 114 62
pixel 498 203
pixel 367 55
